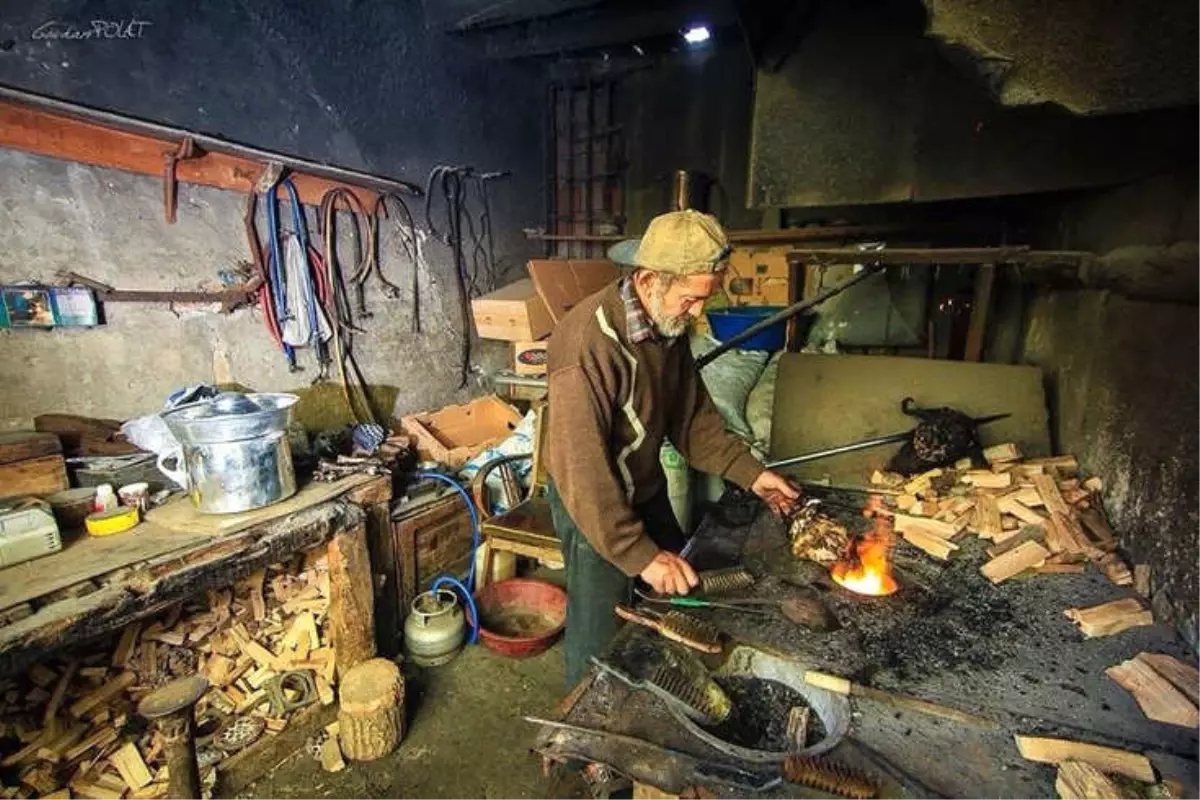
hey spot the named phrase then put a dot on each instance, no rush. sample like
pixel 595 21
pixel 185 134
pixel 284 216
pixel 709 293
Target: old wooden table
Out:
pixel 96 586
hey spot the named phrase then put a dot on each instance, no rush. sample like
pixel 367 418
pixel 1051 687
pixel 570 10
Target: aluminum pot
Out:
pixel 234 454
pixel 434 631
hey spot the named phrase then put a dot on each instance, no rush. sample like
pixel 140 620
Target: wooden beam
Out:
pixel 61 136
pixel 952 256
pixel 981 303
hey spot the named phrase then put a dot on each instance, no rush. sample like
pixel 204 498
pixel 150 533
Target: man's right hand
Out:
pixel 670 574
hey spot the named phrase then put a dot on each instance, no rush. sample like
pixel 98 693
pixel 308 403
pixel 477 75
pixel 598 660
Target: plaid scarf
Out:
pixel 637 321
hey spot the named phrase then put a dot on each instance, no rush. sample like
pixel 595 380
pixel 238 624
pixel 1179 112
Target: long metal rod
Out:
pixel 206 142
pixel 787 313
pixel 834 451
pixel 816 455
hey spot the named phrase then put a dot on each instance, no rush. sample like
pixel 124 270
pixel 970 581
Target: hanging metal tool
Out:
pixel 407 230
pixel 337 304
pixel 187 149
pixel 448 183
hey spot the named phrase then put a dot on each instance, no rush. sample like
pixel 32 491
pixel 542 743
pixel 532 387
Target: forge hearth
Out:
pixel 946 635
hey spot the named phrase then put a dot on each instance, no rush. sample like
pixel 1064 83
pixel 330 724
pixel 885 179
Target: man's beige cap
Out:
pixel 679 242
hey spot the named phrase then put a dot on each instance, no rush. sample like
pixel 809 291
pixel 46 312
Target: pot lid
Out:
pixel 229 404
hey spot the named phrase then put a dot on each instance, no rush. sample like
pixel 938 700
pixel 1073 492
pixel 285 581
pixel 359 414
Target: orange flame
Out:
pixel 871 572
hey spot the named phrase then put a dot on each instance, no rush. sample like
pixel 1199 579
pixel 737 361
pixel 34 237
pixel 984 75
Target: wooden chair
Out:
pixel 526 529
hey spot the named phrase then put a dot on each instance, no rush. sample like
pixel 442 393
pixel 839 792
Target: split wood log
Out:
pixel 1184 677
pixel 1115 569
pixel 797 728
pixel 331 756
pixel 1158 699
pixel 1029 533
pixel 371 709
pixel 1141 579
pixel 1013 505
pixel 1063 463
pixel 42 676
pixel 986 479
pixel 1106 759
pixel 935 546
pixel 60 692
pixel 128 762
pixel 1078 780
pixel 1094 484
pixel 1028 496
pixel 1020 558
pixel 1109 618
pixel 1048 490
pixel 99 739
pixel 1001 452
pixel 1073 536
pixel 1062 563
pixel 930 527
pixel 103 693
pixel 922 482
pixel 1093 519
pixel 351 598
pixel 987 517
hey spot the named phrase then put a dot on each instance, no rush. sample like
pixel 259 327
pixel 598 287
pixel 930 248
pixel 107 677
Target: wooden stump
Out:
pixel 371 715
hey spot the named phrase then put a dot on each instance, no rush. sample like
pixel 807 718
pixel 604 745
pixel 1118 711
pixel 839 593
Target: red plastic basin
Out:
pixel 521 617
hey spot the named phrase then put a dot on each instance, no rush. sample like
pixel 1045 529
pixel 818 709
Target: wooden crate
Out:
pixel 438 534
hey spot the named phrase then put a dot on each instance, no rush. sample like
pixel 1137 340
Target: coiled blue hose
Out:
pixel 466 590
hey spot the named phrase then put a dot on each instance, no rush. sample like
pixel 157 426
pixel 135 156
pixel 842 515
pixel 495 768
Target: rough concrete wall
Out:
pixel 1088 57
pixel 1124 387
pixel 896 117
pixel 1122 373
pixel 689 111
pixel 108 225
pixel 361 85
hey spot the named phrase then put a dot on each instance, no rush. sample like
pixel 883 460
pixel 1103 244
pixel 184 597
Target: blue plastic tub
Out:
pixel 729 322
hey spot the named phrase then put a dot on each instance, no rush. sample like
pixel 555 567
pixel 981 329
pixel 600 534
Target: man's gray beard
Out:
pixel 668 327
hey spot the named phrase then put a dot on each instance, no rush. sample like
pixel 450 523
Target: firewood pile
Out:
pixel 1038 514
pixel 69 727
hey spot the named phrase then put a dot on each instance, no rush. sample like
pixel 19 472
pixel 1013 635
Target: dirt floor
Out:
pixel 465 736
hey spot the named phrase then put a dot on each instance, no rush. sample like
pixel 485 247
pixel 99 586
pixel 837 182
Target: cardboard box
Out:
pixel 759 276
pixel 512 313
pixel 562 283
pixel 456 434
pixel 529 358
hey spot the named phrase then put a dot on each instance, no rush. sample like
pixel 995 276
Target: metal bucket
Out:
pixel 234 451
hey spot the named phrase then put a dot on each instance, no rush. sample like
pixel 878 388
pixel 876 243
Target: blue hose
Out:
pixel 465 589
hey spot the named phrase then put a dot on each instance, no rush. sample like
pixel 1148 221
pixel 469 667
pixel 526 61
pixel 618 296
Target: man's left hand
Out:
pixel 776 491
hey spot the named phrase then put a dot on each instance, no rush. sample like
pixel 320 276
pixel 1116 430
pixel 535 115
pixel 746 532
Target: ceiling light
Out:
pixel 697 35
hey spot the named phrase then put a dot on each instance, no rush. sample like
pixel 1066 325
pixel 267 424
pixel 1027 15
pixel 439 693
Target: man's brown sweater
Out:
pixel 612 402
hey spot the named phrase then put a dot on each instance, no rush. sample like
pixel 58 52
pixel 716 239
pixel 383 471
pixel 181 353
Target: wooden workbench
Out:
pixel 96 586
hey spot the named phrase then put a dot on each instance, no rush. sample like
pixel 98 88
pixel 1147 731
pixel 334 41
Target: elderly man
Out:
pixel 622 379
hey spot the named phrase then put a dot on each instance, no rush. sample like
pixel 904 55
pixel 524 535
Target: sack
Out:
pixel 760 405
pixel 729 380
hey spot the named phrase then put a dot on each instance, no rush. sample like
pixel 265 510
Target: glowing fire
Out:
pixel 871 571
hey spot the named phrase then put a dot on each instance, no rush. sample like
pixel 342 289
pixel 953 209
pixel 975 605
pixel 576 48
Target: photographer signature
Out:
pixel 99 29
